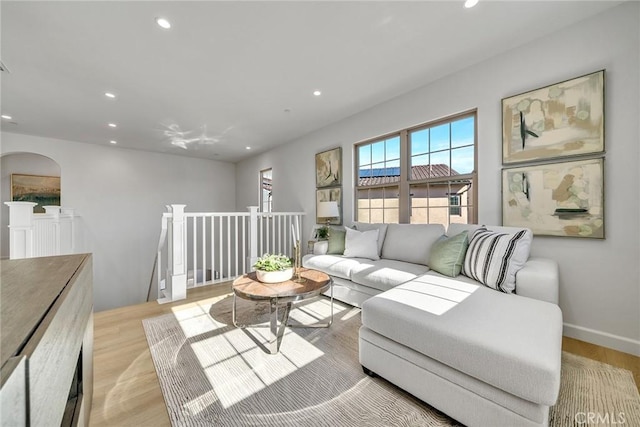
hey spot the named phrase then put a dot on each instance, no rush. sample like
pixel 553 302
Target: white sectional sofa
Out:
pixel 483 357
pixel 404 253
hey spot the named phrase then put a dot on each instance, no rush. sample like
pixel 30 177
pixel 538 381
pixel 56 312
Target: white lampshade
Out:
pixel 328 210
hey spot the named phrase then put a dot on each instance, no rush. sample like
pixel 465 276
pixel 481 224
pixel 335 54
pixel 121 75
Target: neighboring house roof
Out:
pixel 266 184
pixel 381 176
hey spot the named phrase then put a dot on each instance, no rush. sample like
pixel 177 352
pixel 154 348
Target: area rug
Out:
pixel 212 373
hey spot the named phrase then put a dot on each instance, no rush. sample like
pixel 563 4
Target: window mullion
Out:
pixel 404 210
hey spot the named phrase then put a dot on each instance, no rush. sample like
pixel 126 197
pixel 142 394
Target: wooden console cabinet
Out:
pixel 46 341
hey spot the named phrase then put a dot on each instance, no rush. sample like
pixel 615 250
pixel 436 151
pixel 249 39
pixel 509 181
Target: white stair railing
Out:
pixel 197 248
pixel 54 232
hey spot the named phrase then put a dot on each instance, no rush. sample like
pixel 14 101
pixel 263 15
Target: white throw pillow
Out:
pixel 382 231
pixel 493 259
pixel 361 244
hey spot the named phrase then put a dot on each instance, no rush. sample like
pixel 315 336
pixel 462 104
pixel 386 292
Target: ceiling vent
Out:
pixel 3 67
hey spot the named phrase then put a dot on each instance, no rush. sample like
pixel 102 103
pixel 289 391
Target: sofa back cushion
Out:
pixel 411 242
pixel 382 232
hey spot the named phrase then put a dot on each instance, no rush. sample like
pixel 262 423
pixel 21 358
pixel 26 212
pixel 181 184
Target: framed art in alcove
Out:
pixel 560 120
pixel 43 190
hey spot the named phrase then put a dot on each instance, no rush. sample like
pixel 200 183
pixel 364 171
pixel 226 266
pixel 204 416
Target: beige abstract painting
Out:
pixel 329 168
pixel 556 199
pixel 564 119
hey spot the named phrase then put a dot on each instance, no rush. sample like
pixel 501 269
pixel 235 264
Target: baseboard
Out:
pixel 604 339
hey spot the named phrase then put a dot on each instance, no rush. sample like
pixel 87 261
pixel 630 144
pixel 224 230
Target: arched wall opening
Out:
pixel 21 163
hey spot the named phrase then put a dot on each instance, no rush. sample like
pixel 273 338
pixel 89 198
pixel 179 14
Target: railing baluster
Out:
pixel 265 224
pixel 237 261
pixel 195 248
pixel 229 245
pixel 288 233
pixel 262 251
pixel 213 248
pixel 204 249
pixel 220 255
pixel 280 233
pixel 245 242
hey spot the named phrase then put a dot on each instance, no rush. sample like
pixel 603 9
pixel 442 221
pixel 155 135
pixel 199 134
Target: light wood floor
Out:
pixel 126 389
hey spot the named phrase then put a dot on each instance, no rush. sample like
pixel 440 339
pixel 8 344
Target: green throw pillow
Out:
pixel 447 254
pixel 336 241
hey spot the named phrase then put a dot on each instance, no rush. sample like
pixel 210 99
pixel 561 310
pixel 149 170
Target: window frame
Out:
pixel 405 182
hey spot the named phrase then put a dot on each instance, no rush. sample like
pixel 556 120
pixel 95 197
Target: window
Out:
pixel 266 191
pixel 454 205
pixel 378 178
pixel 424 174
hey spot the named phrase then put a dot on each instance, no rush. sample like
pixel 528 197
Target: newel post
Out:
pixel 178 253
pixel 20 229
pixel 253 235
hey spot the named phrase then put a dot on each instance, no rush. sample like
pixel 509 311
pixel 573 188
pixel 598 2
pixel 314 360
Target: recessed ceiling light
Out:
pixel 6 117
pixel 247 148
pixel 317 93
pixel 470 3
pixel 110 95
pixel 163 23
pixel 113 125
pixel 113 142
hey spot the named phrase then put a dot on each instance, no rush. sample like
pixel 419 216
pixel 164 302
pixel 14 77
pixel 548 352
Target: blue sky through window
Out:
pixel 443 144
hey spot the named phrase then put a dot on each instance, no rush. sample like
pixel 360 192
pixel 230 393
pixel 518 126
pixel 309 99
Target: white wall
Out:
pixel 121 195
pixel 600 279
pixel 23 163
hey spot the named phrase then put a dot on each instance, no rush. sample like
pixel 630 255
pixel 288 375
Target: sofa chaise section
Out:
pixel 482 357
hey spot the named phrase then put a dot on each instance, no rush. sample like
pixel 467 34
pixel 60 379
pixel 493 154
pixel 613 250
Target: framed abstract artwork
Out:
pixel 560 120
pixel 329 195
pixel 556 199
pixel 329 168
pixel 43 190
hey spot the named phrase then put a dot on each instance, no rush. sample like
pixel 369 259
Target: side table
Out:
pixel 248 287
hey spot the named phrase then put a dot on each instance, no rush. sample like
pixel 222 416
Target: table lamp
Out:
pixel 328 210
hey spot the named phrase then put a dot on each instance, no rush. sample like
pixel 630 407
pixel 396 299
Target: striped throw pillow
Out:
pixel 493 259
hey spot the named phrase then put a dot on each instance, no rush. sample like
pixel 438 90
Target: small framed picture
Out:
pixel 329 212
pixel 329 168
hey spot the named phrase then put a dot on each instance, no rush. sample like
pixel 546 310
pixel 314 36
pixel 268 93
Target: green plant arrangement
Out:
pixel 269 262
pixel 322 233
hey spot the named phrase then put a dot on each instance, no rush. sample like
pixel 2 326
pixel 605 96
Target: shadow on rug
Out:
pixel 212 373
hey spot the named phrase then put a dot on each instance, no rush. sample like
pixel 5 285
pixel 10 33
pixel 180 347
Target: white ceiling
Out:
pixel 231 69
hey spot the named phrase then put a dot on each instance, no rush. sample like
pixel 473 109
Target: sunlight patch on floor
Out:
pixel 235 365
pixel 319 311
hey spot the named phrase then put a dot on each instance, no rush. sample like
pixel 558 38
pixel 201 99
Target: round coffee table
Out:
pixel 248 287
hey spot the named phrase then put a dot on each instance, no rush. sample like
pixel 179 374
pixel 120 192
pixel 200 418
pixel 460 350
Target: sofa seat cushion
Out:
pixel 384 274
pixel 333 265
pixel 510 342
